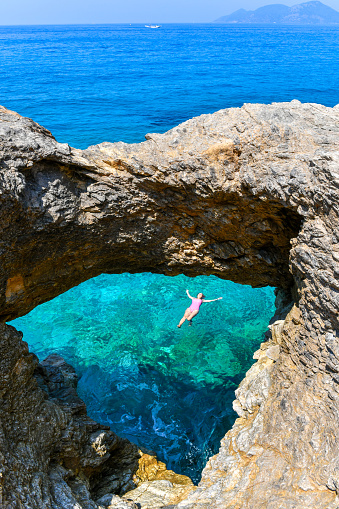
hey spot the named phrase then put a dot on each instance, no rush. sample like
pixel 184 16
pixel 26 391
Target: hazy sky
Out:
pixel 27 12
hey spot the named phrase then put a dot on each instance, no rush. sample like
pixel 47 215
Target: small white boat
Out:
pixel 152 26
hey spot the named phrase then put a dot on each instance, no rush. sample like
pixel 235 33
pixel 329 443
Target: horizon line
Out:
pixel 166 23
pixel 111 23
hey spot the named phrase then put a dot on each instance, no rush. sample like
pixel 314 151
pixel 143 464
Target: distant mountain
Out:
pixel 308 13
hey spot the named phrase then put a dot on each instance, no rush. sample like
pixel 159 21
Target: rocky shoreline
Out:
pixel 88 465
pixel 248 194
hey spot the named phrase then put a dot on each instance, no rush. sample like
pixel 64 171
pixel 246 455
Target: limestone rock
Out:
pixel 49 444
pixel 273 352
pixel 248 194
pixel 157 494
pixel 111 501
pixel 150 469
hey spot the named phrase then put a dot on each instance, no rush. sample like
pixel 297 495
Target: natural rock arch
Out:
pixel 222 194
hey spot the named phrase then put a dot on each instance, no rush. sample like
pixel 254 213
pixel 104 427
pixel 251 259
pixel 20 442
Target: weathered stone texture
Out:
pixel 248 194
pixel 52 454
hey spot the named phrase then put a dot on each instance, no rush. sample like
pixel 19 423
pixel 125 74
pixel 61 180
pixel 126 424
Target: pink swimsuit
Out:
pixel 196 303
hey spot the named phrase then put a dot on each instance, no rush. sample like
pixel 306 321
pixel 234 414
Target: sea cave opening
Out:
pixel 167 389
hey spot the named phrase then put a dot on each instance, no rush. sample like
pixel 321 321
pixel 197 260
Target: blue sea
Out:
pixel 167 389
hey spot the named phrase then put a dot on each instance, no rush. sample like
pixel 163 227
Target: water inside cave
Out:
pixel 167 389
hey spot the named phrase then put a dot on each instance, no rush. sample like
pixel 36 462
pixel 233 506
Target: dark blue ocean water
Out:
pixel 89 84
pixel 167 389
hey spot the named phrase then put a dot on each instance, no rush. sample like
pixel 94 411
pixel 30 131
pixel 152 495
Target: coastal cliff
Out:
pixel 248 194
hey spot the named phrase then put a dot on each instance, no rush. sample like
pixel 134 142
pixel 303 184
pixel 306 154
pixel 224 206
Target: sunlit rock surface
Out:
pixel 209 197
pixel 225 194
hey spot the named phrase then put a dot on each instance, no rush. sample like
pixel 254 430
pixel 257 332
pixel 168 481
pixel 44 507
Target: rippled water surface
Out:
pixel 167 389
pixel 89 84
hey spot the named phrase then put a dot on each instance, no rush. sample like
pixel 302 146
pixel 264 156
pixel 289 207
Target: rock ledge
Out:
pixel 248 194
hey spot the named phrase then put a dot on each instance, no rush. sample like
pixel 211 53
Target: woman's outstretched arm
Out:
pixel 213 300
pixel 188 293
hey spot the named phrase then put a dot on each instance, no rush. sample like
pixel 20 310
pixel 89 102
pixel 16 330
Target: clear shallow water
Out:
pixel 166 389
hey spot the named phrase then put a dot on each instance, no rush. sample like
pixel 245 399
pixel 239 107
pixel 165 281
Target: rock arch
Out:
pixel 248 194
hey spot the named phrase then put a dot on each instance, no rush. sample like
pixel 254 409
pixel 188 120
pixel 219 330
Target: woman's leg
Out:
pixel 192 314
pixel 187 313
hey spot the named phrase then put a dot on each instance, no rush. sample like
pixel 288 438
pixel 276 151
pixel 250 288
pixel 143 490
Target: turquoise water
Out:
pixel 167 389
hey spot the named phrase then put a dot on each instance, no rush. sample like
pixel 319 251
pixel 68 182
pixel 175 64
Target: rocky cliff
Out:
pixel 248 194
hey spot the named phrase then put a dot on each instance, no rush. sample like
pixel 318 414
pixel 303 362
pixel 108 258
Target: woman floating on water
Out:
pixel 193 310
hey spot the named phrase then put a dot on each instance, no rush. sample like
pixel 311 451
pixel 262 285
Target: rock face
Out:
pixel 52 454
pixel 248 194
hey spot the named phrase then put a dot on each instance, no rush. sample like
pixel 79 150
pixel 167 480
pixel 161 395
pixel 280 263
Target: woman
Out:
pixel 193 310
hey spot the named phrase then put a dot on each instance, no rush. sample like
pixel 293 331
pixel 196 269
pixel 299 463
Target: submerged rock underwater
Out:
pixel 168 390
